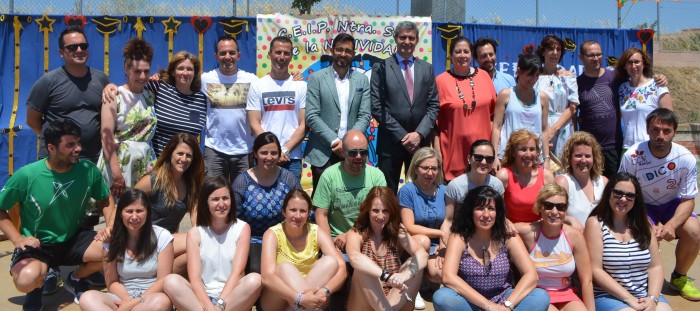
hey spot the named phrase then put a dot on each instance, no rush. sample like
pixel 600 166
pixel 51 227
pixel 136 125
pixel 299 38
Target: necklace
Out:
pixel 469 76
pixel 534 99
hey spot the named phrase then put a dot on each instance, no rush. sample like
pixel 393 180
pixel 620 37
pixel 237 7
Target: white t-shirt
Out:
pixel 227 127
pixel 636 103
pixel 279 102
pixel 662 180
pixel 138 276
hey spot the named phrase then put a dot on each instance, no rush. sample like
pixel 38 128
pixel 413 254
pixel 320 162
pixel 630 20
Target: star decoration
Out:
pixel 45 23
pixel 171 25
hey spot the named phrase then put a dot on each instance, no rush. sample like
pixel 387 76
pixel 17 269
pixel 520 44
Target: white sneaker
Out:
pixel 420 303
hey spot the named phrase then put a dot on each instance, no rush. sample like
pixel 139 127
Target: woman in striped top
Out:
pixel 627 270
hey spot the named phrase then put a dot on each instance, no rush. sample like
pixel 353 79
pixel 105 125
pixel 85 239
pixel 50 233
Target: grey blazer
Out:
pixel 323 112
pixel 393 111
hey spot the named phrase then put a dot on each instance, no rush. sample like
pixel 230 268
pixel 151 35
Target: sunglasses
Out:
pixel 354 152
pixel 74 47
pixel 479 158
pixel 618 194
pixel 562 207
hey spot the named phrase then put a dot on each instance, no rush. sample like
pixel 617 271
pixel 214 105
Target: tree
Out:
pixel 304 6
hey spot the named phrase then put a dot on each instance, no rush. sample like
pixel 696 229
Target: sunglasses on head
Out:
pixel 74 47
pixel 354 152
pixel 618 194
pixel 480 157
pixel 562 207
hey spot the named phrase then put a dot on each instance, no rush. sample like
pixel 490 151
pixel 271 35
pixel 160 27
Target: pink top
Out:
pixel 519 200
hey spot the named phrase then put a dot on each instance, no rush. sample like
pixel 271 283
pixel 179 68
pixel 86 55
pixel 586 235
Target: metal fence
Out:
pixel 668 17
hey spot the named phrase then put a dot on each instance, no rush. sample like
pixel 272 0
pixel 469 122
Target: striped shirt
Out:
pixel 626 264
pixel 176 112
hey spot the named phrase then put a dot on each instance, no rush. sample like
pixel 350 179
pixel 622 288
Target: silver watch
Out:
pixel 508 304
pixel 221 303
pixel 656 300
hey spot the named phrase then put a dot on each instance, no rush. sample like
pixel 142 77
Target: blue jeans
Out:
pixel 447 299
pixel 609 302
pixel 294 166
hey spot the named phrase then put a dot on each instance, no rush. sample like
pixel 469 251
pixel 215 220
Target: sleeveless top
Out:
pixel 519 200
pixel 519 116
pixel 167 217
pixel 390 262
pixel 216 253
pixel 579 206
pixel 492 282
pixel 625 263
pixel 554 261
pixel 303 259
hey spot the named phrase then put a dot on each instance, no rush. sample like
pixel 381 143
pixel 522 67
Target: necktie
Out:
pixel 408 77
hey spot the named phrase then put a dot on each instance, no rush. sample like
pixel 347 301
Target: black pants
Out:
pixel 391 166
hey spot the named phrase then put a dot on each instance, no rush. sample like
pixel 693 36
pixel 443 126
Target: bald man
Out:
pixel 343 186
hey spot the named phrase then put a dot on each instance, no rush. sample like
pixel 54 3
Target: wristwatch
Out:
pixel 656 300
pixel 508 304
pixel 221 303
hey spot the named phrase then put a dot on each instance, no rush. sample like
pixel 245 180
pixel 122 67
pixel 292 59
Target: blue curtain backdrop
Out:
pixel 513 40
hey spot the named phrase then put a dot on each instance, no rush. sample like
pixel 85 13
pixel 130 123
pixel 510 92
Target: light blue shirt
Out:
pixel 502 80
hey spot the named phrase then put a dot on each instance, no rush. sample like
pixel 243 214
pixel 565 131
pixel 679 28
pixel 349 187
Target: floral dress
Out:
pixel 561 90
pixel 134 129
pixel 636 103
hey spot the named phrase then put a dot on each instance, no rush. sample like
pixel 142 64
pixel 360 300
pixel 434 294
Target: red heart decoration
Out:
pixel 201 24
pixel 645 35
pixel 75 20
pixel 528 49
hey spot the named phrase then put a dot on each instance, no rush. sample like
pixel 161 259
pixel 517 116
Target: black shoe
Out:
pixel 96 279
pixel 52 281
pixel 32 301
pixel 77 288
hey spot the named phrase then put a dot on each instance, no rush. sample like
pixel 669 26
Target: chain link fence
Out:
pixel 677 27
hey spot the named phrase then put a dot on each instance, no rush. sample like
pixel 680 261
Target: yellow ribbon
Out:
pixel 17 25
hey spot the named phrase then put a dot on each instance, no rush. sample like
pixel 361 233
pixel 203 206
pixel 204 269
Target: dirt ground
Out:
pixel 684 85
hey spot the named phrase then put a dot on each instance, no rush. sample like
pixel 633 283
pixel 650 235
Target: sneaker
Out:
pixel 32 301
pixel 96 279
pixel 77 288
pixel 686 287
pixel 51 282
pixel 420 303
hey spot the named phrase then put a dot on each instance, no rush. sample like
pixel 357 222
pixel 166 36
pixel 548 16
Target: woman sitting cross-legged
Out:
pixel 380 280
pixel 558 250
pixel 476 272
pixel 293 274
pixel 217 250
pixel 139 255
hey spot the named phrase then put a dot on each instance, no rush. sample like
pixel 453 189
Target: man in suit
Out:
pixel 337 101
pixel 405 118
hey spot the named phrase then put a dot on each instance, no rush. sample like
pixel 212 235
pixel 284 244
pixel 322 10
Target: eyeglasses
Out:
pixel 354 152
pixel 618 194
pixel 429 168
pixel 548 206
pixel 480 157
pixel 74 47
pixel 340 50
pixel 593 56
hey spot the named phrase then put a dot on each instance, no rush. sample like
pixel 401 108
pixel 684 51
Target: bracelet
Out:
pixel 653 298
pixel 545 157
pixel 385 276
pixel 328 291
pixel 285 150
pixel 298 301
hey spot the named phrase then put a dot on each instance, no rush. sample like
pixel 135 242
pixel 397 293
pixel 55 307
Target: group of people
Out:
pixel 474 208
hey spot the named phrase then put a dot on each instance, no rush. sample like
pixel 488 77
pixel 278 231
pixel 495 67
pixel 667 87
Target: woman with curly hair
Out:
pixel 381 281
pixel 584 181
pixel 522 176
pixel 129 122
pixel 173 188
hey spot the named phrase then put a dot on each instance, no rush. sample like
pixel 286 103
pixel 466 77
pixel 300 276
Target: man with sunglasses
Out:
pixel 337 100
pixel 343 186
pixel 74 92
pixel 667 173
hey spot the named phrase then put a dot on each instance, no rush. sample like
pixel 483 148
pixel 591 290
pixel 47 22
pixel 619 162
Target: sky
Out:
pixel 675 15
